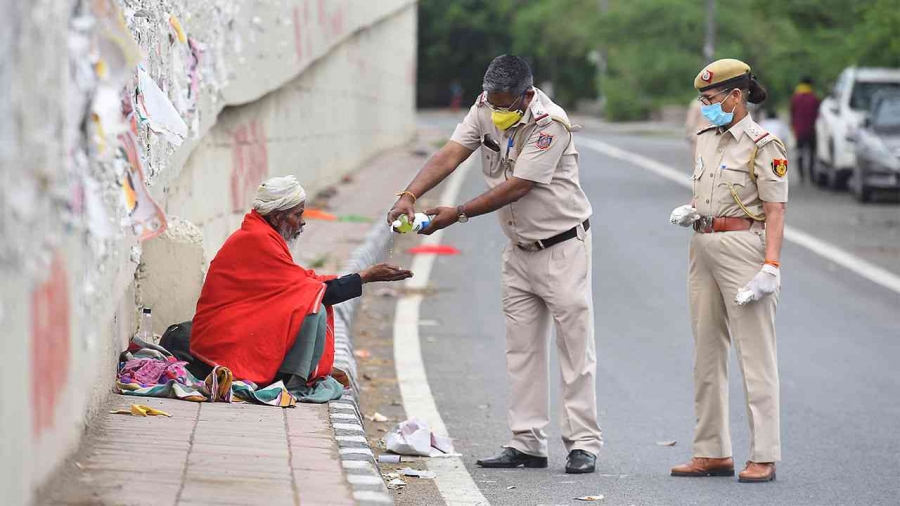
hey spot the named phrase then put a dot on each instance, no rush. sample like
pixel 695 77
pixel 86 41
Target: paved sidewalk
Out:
pixel 244 454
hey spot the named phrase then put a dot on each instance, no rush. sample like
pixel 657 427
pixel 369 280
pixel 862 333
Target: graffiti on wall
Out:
pixel 249 164
pixel 49 345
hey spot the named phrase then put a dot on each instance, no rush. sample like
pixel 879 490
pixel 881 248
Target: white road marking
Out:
pixel 822 248
pixel 453 480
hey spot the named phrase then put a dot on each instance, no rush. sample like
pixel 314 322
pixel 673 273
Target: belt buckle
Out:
pixel 704 225
pixel 532 246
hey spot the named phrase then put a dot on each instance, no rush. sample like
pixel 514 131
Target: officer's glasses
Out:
pixel 511 107
pixel 707 100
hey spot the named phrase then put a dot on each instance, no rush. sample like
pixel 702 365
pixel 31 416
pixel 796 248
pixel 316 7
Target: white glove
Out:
pixel 684 216
pixel 766 282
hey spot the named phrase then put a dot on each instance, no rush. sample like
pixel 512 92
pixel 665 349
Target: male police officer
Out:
pixel 531 168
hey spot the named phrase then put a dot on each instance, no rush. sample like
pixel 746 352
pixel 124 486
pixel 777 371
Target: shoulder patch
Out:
pixel 543 141
pixel 780 166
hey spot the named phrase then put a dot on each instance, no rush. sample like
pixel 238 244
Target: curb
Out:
pixel 357 457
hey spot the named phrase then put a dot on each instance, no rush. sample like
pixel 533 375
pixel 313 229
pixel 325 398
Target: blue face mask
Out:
pixel 716 115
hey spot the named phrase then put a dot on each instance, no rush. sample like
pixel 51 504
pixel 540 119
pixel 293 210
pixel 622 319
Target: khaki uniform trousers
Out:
pixel 539 288
pixel 720 264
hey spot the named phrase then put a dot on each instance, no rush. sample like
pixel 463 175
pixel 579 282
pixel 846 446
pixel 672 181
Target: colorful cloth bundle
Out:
pixel 148 370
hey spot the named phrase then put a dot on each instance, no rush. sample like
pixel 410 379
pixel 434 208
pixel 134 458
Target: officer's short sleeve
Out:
pixel 541 153
pixel 771 172
pixel 467 133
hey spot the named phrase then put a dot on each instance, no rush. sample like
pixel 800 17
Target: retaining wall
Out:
pixel 265 87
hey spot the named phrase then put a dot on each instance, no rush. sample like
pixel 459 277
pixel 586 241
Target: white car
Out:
pixel 840 115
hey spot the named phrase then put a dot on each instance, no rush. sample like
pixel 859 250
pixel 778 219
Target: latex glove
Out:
pixel 685 216
pixel 766 282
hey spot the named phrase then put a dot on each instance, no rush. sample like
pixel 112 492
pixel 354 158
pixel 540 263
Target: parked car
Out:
pixel 877 148
pixel 840 115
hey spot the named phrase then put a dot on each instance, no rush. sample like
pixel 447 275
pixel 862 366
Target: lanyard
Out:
pixel 509 145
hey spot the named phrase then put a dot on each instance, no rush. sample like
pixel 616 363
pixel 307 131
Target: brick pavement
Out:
pixel 245 454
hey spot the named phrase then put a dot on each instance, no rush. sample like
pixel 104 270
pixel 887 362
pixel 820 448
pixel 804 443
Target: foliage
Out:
pixel 652 48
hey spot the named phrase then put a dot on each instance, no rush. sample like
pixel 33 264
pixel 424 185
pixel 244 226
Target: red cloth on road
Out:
pixel 804 109
pixel 252 305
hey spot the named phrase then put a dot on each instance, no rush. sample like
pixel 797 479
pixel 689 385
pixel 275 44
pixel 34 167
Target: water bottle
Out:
pixel 145 331
pixel 402 225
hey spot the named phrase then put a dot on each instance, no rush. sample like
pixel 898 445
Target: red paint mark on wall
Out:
pixel 336 23
pixel 49 345
pixel 249 164
pixel 298 35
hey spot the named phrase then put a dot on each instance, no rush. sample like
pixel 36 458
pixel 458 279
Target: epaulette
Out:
pixel 706 129
pixel 482 99
pixel 760 136
pixel 542 118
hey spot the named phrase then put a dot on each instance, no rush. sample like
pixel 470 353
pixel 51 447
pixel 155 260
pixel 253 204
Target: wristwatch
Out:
pixel 461 215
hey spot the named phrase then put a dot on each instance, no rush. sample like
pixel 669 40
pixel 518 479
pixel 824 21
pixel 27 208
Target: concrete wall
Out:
pixel 305 87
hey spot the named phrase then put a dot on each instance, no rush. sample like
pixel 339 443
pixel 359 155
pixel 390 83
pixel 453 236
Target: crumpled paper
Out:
pixel 414 437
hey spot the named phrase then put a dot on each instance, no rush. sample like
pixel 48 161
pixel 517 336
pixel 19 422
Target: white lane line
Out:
pixel 453 480
pixel 822 248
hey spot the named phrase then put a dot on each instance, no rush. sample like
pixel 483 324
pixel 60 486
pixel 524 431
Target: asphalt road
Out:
pixel 839 343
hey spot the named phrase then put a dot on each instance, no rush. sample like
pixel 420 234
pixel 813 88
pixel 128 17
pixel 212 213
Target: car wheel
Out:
pixel 858 185
pixel 839 179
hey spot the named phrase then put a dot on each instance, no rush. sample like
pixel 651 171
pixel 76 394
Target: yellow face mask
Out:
pixel 505 119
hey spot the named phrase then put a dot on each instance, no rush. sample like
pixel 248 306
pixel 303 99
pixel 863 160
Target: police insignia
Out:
pixel 779 167
pixel 543 141
pixel 706 76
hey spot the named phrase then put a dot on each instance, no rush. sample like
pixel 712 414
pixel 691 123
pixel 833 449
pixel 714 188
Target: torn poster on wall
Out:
pixel 156 110
pixel 114 54
pixel 147 219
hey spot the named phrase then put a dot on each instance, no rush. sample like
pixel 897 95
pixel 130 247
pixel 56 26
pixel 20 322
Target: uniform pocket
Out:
pixel 489 161
pixel 728 179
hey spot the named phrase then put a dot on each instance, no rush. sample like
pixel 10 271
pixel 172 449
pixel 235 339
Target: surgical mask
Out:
pixel 716 115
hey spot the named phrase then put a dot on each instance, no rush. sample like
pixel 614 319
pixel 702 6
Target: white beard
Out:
pixel 290 239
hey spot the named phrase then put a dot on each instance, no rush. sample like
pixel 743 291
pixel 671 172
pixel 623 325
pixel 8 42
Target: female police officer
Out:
pixel 740 190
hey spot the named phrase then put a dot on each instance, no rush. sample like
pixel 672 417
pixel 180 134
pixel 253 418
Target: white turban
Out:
pixel 278 194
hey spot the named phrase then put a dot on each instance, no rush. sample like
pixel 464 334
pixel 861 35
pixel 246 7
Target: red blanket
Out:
pixel 252 305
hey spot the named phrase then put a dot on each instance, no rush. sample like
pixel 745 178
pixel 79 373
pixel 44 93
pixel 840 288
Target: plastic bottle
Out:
pixel 419 223
pixel 145 332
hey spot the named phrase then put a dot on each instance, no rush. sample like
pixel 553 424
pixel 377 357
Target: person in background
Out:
pixel 456 95
pixel 804 110
pixel 773 124
pixel 693 123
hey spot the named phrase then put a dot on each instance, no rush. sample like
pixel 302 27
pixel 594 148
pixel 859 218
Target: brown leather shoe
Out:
pixel 757 472
pixel 704 466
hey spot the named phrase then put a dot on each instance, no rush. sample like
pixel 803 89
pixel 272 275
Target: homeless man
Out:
pixel 265 317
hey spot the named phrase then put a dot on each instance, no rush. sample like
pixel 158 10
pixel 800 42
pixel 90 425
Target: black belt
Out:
pixel 556 239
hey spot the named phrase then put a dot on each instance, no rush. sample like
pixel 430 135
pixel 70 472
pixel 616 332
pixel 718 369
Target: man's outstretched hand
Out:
pixel 384 272
pixel 403 206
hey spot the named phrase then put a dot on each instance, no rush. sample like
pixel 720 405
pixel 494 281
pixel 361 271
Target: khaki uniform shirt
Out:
pixel 538 149
pixel 723 162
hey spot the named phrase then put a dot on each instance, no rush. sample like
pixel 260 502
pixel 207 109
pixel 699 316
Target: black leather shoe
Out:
pixel 510 457
pixel 580 462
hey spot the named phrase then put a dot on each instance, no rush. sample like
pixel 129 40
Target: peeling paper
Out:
pixel 156 110
pixel 147 219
